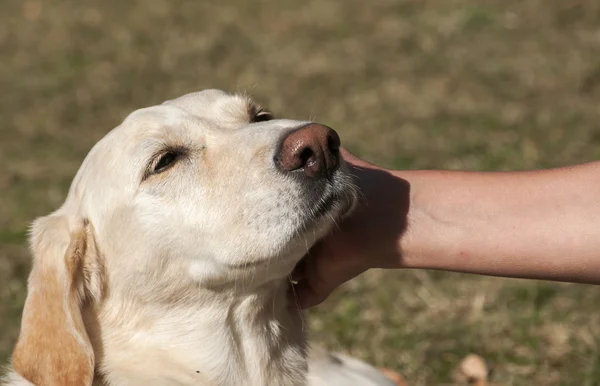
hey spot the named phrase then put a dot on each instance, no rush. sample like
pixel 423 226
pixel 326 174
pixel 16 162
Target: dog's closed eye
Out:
pixel 258 113
pixel 262 116
pixel 163 162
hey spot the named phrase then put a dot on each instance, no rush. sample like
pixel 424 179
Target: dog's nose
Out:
pixel 313 149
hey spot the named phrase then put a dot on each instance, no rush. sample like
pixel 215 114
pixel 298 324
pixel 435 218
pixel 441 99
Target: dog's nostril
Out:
pixel 306 155
pixel 333 143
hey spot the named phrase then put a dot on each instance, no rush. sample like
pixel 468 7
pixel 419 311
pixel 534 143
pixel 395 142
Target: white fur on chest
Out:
pixel 250 339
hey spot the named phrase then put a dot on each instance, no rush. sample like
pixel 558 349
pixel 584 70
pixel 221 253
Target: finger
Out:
pixel 314 288
pixel 306 296
pixel 298 272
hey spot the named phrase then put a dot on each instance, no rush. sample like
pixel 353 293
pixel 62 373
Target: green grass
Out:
pixel 497 85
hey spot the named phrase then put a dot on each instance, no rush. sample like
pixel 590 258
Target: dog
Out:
pixel 169 261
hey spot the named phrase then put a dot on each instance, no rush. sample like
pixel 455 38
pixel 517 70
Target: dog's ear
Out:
pixel 53 347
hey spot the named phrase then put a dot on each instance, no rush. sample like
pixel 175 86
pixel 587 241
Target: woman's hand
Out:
pixel 368 238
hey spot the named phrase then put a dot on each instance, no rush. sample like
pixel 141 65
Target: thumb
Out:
pixel 306 296
pixel 319 275
pixel 313 286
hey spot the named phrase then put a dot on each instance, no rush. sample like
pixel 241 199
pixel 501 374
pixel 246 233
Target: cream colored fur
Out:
pixel 181 277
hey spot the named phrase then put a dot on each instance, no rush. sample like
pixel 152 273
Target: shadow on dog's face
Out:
pixel 210 190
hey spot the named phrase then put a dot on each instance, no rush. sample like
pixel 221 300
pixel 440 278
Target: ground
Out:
pixel 455 84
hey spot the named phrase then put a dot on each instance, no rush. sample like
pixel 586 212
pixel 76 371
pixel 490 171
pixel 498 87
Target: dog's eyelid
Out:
pixel 263 115
pixel 163 161
pixel 259 114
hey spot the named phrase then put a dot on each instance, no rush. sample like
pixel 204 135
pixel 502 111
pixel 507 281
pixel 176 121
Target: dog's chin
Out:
pixel 329 211
pixel 320 220
pixel 325 217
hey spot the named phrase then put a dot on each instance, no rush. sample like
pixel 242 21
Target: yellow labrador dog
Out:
pixel 168 263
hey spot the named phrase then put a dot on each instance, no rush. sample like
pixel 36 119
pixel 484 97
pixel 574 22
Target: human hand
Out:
pixel 368 238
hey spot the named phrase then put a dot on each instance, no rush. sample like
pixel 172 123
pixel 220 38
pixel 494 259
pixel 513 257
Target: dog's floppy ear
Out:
pixel 53 347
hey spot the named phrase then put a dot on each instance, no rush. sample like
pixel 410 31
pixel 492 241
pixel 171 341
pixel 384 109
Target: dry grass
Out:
pixel 407 83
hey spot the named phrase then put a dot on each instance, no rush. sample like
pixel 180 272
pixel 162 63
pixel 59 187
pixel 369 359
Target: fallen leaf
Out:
pixel 474 370
pixel 395 376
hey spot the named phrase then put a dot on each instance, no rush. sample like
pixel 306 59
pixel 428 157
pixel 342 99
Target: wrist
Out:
pixel 397 223
pixel 379 220
pixel 429 231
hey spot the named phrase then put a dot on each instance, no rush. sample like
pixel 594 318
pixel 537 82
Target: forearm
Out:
pixel 543 224
pixel 537 225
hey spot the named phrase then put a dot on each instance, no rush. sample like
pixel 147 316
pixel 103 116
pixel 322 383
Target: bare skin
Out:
pixel 537 224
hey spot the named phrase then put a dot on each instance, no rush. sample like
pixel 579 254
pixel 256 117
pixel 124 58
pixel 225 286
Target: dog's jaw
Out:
pixel 250 339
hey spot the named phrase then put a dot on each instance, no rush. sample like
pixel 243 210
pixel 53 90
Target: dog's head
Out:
pixel 207 190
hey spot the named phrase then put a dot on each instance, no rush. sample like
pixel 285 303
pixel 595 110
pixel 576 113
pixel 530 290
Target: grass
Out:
pixel 491 85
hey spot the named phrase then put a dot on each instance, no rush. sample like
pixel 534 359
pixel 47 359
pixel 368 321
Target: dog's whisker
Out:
pixel 299 309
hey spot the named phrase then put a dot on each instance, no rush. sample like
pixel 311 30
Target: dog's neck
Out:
pixel 254 338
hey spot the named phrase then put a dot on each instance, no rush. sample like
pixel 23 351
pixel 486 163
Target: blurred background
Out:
pixel 455 84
